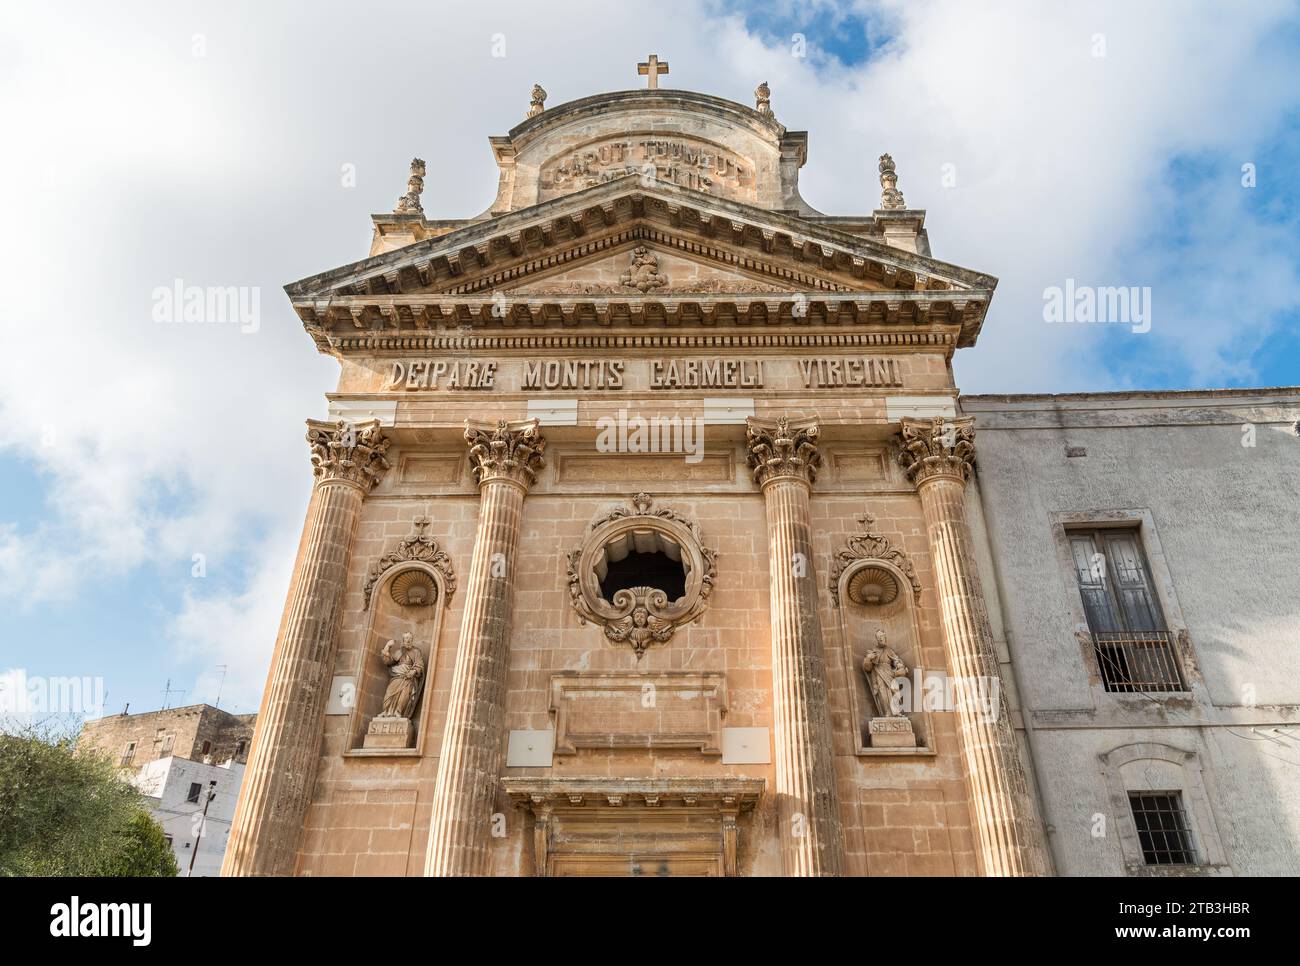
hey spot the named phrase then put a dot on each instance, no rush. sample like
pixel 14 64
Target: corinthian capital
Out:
pixel 937 447
pixel 350 452
pixel 783 449
pixel 505 450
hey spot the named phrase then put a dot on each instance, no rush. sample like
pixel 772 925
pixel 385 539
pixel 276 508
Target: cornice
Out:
pixel 332 320
pixel 643 100
pixel 647 342
pixel 743 793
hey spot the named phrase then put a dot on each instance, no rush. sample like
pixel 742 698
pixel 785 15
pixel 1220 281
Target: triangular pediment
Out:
pixel 696 246
pixel 580 218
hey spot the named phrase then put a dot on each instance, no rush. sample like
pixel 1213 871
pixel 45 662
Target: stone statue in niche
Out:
pixel 406 666
pixel 882 667
pixel 392 727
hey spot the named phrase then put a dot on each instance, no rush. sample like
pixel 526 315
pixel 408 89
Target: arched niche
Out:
pixel 408 591
pixel 874 588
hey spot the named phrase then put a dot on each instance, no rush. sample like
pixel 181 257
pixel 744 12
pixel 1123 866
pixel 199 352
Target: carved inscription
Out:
pixel 687 162
pixel 851 371
pixel 574 374
pixel 715 373
pixel 709 372
pixel 442 374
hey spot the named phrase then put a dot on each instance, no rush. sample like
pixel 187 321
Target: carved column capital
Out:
pixel 784 449
pixel 938 447
pixel 346 452
pixel 504 450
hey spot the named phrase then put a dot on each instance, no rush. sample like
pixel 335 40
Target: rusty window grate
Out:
pixel 1138 661
pixel 1162 828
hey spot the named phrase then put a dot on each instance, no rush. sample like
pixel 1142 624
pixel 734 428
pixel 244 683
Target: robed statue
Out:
pixel 406 667
pixel 883 667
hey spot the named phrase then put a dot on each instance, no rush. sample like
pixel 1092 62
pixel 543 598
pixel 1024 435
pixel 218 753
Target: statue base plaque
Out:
pixel 389 733
pixel 891 732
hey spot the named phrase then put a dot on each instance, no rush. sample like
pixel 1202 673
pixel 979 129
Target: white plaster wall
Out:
pixel 1227 518
pixel 166 782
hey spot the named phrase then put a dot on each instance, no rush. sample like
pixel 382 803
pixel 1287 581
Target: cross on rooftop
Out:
pixel 652 69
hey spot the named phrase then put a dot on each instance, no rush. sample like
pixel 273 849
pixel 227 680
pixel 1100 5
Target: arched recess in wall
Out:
pixel 1152 766
pixel 408 590
pixel 874 588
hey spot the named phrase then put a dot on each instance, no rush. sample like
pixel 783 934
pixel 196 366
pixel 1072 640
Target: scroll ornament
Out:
pixel 785 448
pixel 937 447
pixel 869 584
pixel 354 452
pixel 418 547
pixel 509 450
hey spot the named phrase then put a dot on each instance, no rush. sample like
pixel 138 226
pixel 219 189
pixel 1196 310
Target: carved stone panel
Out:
pixel 671 709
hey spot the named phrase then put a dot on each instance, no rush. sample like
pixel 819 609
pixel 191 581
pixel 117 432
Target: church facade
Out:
pixel 647 539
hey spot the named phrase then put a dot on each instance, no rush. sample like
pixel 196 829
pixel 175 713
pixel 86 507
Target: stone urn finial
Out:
pixel 763 99
pixel 538 103
pixel 410 202
pixel 890 196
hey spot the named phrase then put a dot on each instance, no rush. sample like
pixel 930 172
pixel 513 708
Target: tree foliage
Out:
pixel 66 810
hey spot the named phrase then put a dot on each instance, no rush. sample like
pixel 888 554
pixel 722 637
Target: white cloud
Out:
pixel 135 162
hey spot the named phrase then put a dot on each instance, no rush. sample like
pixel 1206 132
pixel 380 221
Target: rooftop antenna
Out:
pixel 168 691
pixel 224 668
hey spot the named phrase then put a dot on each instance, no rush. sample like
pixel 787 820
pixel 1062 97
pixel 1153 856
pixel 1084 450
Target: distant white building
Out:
pixel 178 790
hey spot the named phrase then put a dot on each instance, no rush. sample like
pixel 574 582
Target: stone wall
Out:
pixel 189 729
pixel 901 814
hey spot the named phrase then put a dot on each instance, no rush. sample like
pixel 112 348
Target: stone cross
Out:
pixel 652 69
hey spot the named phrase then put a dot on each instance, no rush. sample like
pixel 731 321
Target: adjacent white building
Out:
pixel 1145 548
pixel 178 790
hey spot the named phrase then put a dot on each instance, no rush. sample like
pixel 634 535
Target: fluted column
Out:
pixel 505 458
pixel 785 460
pixel 938 455
pixel 347 460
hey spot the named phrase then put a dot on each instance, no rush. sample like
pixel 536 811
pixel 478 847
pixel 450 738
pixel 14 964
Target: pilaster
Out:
pixel 785 459
pixel 348 460
pixel 505 457
pixel 938 456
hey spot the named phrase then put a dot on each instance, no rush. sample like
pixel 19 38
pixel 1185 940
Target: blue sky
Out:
pixel 207 143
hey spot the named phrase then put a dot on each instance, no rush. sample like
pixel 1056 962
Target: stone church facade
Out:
pixel 646 539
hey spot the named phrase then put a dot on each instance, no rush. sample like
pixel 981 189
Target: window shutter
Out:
pixel 1138 606
pixel 1090 568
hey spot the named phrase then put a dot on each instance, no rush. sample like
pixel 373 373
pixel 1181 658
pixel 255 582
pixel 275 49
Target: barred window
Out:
pixel 1133 646
pixel 1162 828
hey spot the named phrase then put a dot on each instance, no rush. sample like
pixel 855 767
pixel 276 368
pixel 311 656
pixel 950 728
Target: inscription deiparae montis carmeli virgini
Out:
pixel 715 372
